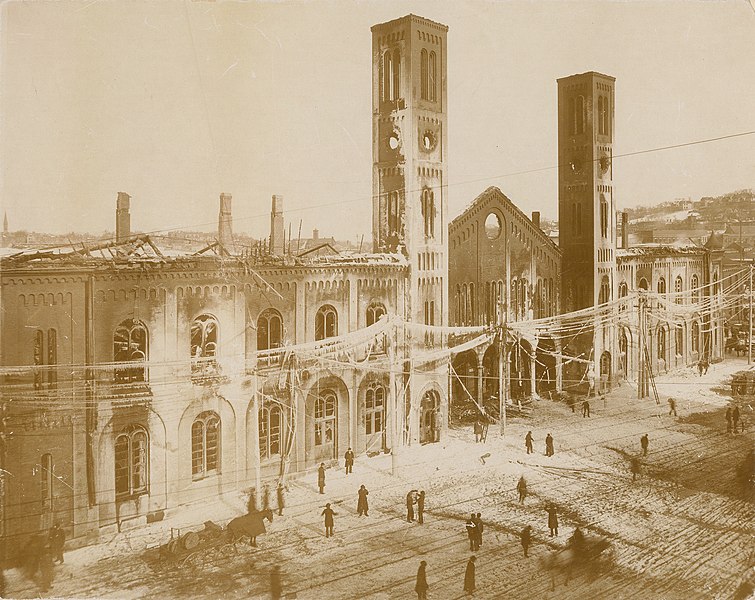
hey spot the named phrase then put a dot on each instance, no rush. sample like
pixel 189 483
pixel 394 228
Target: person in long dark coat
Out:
pixel 672 407
pixel 552 520
pixel 728 420
pixel 321 478
pixel 471 532
pixel 521 487
pixel 644 442
pixel 549 445
pixel 276 589
pixel 526 539
pixel 328 514
pixel 635 468
pixel 410 507
pixel 265 497
pixel 469 576
pixel 586 408
pixel 528 442
pixel 421 586
pixel 735 417
pixel 57 539
pixel 281 499
pixel 421 507
pixel 349 460
pixel 362 506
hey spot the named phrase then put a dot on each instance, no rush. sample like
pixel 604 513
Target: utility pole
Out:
pixel 749 334
pixel 502 365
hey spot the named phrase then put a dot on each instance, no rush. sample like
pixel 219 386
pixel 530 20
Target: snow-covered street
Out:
pixel 682 530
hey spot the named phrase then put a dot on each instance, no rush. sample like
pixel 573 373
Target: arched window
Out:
pixel 601 130
pixel 643 285
pixel 205 445
pixel 662 343
pixel 464 307
pixel 39 342
pixel 45 482
pixel 661 286
pixel 325 418
pixel 393 219
pixel 679 341
pixel 374 312
pixel 428 212
pixel 396 92
pixel 432 84
pixel 605 291
pixel 695 285
pixel 623 292
pixel 269 330
pixel 678 290
pixel 603 216
pixel 131 462
pixel 695 336
pixel 270 427
pixel 326 322
pixel 423 75
pixel 387 76
pixel 130 346
pixel 579 115
pixel 515 298
pixel 604 127
pixel 374 409
pixel 204 345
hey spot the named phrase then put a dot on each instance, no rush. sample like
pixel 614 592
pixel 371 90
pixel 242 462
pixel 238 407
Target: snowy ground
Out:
pixel 680 531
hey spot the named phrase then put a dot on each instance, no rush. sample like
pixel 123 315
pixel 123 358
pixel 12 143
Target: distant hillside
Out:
pixel 712 213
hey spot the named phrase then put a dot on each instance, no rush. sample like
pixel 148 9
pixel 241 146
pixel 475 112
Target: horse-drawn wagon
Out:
pixel 581 551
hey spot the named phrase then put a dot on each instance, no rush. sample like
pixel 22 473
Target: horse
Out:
pixel 559 561
pixel 251 524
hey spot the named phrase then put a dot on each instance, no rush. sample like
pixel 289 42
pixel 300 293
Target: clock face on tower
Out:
pixel 604 163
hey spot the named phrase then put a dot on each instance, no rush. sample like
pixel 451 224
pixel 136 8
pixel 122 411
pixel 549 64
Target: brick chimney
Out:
pixel 122 217
pixel 225 221
pixel 315 234
pixel 276 226
pixel 625 230
pixel 536 218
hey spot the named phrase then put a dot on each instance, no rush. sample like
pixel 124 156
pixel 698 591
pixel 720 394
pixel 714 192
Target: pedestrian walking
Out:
pixel 577 543
pixel 728 419
pixel 672 407
pixel 251 502
pixel 421 507
pixel 57 540
pixel 735 417
pixel 478 431
pixel 471 533
pixel 265 497
pixel 349 459
pixel 586 409
pixel 700 367
pixel 421 586
pixel 644 444
pixel 469 576
pixel 362 506
pixel 706 365
pixel 549 445
pixel 526 538
pixel 321 478
pixel 521 487
pixel 552 520
pixel 276 589
pixel 410 506
pixel 46 569
pixel 281 498
pixel 480 529
pixel 635 467
pixel 328 514
pixel 528 442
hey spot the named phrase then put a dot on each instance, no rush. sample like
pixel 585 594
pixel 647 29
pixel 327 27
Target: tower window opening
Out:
pixel 423 75
pixel 396 91
pixel 428 212
pixel 431 84
pixel 603 216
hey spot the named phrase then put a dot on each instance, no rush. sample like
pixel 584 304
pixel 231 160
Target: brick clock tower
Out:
pixel 586 208
pixel 409 179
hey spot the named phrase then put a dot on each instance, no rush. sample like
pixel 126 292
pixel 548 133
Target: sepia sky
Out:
pixel 175 103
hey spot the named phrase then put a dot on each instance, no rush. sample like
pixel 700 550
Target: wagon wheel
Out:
pixel 195 560
pixel 228 550
pixel 173 547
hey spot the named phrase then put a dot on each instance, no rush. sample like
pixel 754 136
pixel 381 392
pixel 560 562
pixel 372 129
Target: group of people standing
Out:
pixel 529 440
